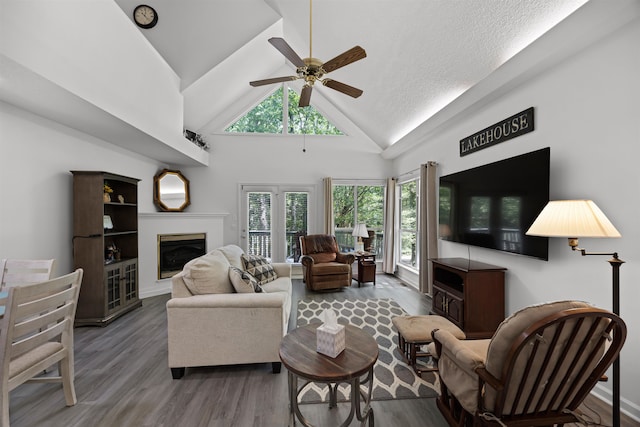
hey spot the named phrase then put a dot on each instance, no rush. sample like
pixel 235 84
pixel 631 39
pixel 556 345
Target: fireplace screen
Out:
pixel 175 250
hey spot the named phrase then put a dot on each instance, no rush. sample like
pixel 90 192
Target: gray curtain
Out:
pixel 328 227
pixel 427 224
pixel 388 260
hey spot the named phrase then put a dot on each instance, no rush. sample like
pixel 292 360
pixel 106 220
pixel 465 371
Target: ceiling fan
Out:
pixel 312 69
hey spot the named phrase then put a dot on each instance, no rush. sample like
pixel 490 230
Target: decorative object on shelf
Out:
pixel 360 231
pixel 583 218
pixel 107 223
pixel 171 191
pixel 121 198
pixel 107 193
pixel 111 254
pixel 196 138
pixel 145 16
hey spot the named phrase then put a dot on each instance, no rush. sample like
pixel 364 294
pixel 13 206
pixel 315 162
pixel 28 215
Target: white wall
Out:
pixel 274 160
pixel 36 212
pixel 587 112
pixel 104 59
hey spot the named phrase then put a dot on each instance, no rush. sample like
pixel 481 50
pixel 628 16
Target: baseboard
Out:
pixel 626 406
pixel 163 287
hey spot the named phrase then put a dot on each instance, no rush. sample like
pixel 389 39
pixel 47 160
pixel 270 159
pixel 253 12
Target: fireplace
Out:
pixel 175 250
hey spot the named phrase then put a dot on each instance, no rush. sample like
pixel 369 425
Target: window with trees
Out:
pixel 358 203
pixel 408 219
pixel 274 217
pixel 278 114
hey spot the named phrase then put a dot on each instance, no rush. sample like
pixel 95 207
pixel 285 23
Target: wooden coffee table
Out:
pixel 298 354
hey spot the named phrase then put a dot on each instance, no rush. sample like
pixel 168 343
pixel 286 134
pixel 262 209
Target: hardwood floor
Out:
pixel 122 379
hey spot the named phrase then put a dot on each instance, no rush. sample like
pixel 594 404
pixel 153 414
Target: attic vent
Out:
pixel 268 117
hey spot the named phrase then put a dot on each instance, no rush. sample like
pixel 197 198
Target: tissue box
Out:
pixel 330 341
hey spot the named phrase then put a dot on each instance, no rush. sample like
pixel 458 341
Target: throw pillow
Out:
pixel 242 281
pixel 234 254
pixel 208 274
pixel 260 268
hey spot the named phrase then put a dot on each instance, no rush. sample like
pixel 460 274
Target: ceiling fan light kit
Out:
pixel 312 69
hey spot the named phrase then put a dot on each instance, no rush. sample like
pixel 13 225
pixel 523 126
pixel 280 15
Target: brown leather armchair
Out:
pixel 323 265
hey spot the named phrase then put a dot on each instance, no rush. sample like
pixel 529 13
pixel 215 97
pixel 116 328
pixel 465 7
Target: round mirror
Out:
pixel 171 191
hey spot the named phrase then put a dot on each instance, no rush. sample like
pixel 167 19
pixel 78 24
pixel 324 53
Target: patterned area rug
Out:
pixel 393 378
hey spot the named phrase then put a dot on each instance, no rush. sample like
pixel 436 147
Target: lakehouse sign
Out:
pixel 516 125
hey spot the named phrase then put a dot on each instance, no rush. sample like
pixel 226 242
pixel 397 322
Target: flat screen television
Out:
pixel 493 205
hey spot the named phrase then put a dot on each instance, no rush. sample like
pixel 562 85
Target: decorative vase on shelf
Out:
pixel 106 197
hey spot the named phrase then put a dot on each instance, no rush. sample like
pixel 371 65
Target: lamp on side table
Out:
pixel 360 231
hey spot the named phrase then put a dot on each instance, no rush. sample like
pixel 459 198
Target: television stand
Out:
pixel 470 294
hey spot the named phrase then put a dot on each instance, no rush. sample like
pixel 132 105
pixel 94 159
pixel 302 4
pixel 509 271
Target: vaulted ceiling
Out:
pixel 421 54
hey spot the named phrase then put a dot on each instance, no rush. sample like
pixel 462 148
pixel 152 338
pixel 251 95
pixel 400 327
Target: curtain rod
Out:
pixel 430 162
pixel 408 173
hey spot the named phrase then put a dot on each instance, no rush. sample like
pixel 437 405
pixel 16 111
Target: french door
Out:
pixel 273 218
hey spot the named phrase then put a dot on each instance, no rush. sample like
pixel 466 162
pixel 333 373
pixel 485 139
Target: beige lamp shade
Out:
pixel 572 219
pixel 360 231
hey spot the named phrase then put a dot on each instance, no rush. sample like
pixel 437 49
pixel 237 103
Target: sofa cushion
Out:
pixel 330 268
pixel 208 274
pixel 242 281
pixel 233 254
pixel 259 267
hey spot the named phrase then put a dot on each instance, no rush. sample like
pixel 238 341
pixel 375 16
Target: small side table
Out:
pixel 298 354
pixel 366 268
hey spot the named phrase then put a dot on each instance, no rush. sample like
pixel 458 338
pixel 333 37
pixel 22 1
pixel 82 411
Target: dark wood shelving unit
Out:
pixel 110 283
pixel 470 294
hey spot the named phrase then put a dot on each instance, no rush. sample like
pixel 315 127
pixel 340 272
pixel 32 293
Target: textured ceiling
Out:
pixel 421 54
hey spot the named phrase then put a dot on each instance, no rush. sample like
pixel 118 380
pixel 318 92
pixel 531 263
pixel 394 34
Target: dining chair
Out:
pixel 36 332
pixel 15 272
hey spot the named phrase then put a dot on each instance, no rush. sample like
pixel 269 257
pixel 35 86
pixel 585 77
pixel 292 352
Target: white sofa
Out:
pixel 211 324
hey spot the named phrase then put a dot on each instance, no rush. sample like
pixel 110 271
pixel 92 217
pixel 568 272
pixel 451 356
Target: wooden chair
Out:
pixel 14 272
pixel 36 332
pixel 536 370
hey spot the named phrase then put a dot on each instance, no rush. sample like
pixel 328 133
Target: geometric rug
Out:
pixel 393 378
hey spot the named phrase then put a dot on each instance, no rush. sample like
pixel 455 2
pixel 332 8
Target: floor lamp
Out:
pixel 582 218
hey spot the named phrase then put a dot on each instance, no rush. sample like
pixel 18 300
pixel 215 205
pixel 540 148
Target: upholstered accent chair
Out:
pixel 536 370
pixel 324 266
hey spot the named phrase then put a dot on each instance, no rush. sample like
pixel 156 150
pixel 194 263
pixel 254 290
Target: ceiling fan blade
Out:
pixel 305 96
pixel 341 87
pixel 352 55
pixel 287 51
pixel 273 80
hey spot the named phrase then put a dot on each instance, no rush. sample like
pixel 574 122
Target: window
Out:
pixel 408 219
pixel 273 218
pixel 260 226
pixel 296 222
pixel 358 203
pixel 277 115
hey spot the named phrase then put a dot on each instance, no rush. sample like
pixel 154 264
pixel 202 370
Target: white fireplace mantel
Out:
pixel 151 224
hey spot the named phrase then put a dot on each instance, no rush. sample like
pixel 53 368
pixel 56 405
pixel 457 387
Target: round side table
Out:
pixel 298 354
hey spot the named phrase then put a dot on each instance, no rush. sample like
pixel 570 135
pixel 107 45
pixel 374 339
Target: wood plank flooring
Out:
pixel 122 379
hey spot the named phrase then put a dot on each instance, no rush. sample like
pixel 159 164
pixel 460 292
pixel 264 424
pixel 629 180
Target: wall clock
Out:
pixel 145 16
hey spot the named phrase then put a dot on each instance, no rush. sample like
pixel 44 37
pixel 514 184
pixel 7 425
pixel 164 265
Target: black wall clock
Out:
pixel 145 16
